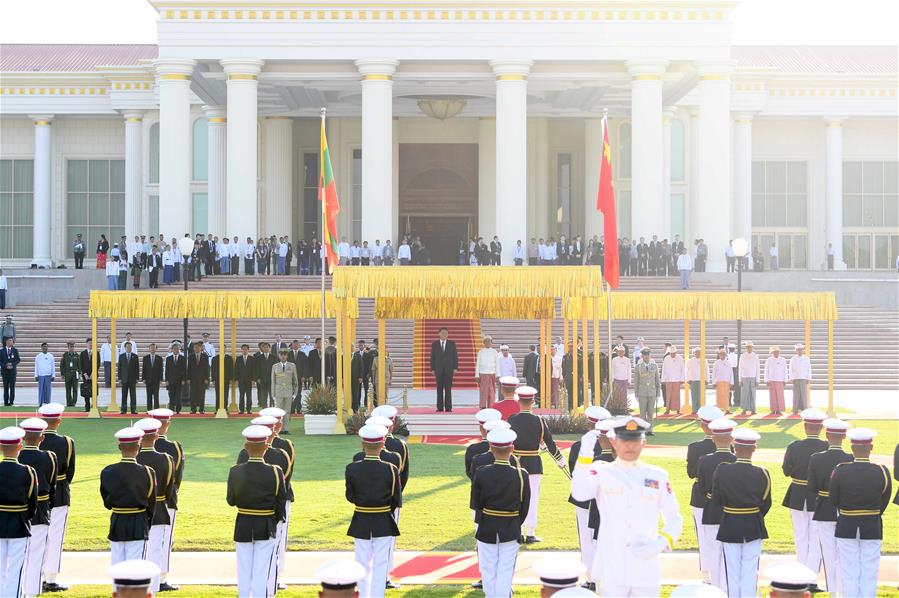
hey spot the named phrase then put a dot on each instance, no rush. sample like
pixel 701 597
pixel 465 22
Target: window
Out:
pixel 779 194
pixel 153 206
pixel 677 215
pixel 200 150
pixel 677 150
pixel 311 208
pixel 154 153
pixel 200 213
pixel 357 195
pixel 791 249
pixel 623 210
pixel 624 151
pixel 95 200
pixel 16 208
pixel 871 194
pixel 563 194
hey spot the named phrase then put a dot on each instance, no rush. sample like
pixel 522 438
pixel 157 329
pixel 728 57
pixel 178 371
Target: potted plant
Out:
pixel 320 413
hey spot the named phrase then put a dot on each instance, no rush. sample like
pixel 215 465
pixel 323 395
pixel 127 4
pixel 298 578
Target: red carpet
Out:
pixel 465 333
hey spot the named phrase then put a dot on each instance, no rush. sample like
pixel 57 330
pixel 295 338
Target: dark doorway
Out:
pixel 441 235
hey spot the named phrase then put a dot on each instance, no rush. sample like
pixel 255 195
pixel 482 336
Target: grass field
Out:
pixel 435 514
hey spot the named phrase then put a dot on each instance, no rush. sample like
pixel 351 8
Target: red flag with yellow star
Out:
pixel 605 203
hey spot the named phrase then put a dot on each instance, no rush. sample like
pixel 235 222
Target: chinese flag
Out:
pixel 605 203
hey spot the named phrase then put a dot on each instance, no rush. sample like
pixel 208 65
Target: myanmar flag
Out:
pixel 605 203
pixel 327 193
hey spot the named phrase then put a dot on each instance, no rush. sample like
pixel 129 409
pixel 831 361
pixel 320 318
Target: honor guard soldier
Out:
pixel 286 446
pixel 631 496
pixel 398 446
pixel 479 448
pixel 860 491
pixel 820 468
pixel 70 369
pixel 500 494
pixel 132 579
pixel 339 578
pixel 798 499
pixel 18 505
pixel 174 450
pixel 258 490
pixel 721 430
pixel 487 458
pixel 388 456
pixel 531 436
pixel 128 490
pixel 790 579
pixel 743 491
pixel 696 449
pixel 557 573
pixel 44 465
pixel 64 447
pixel 374 487
pixel 164 471
pixel 508 403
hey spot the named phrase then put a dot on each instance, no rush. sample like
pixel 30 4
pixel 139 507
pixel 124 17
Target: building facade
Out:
pixel 450 119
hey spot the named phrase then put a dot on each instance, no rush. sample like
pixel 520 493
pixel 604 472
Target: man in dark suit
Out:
pixel 357 369
pixel 154 267
pixel 444 363
pixel 9 363
pixel 263 362
pixel 129 372
pixel 330 361
pixel 243 371
pixel 531 361
pixel 175 374
pixel 314 362
pixel 86 362
pixel 152 376
pixel 198 375
pixel 299 359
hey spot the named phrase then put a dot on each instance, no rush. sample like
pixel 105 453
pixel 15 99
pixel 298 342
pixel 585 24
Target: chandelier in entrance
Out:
pixel 441 108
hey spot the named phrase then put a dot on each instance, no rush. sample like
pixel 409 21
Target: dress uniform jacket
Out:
pixel 128 489
pixel 44 465
pixel 500 494
pixel 18 498
pixel 606 456
pixel 374 487
pixel 174 450
pixel 695 450
pixel 395 445
pixel 280 458
pixel 70 365
pixel 164 472
pixel 532 434
pixel 64 447
pixel 743 491
pixel 795 466
pixel 472 451
pixel 711 512
pixel 820 468
pixel 860 491
pixel 386 456
pixel 259 492
pixel 284 380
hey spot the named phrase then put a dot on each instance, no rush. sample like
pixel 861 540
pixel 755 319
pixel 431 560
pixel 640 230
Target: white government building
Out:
pixel 451 118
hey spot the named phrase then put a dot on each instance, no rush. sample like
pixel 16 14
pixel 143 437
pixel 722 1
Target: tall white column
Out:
pixel 691 215
pixel 713 212
pixel 173 82
pixel 593 222
pixel 378 216
pixel 216 134
pixel 278 135
pixel 134 127
pixel 833 211
pixel 743 177
pixel 43 163
pixel 511 152
pixel 486 177
pixel 667 114
pixel 646 148
pixel 241 175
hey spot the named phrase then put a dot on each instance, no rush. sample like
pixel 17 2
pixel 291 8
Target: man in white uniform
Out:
pixel 800 374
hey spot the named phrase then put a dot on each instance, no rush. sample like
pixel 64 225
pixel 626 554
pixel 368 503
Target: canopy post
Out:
pixel 573 391
pixel 95 410
pixel 113 406
pixel 703 367
pixel 547 379
pixel 221 387
pixel 686 355
pixel 808 338
pixel 232 406
pixel 347 352
pixel 542 352
pixel 597 377
pixel 338 361
pixel 830 410
pixel 382 361
pixel 585 371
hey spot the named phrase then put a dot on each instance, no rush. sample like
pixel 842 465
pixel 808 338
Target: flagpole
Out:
pixel 323 252
pixel 605 124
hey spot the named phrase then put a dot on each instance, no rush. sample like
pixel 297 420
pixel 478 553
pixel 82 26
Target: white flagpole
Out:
pixel 323 251
pixel 605 124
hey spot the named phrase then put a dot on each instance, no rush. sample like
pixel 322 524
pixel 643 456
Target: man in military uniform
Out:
pixel 696 449
pixel 339 578
pixel 285 386
pixel 500 494
pixel 798 499
pixel 486 458
pixel 532 435
pixel 398 446
pixel 860 491
pixel 64 448
pixel 508 403
pixel 388 456
pixel 710 520
pixel 478 448
pixel 70 369
pixel 258 490
pixel 824 520
pixel 44 464
pixel 647 387
pixel 374 487
pixel 174 450
pixel 133 579
pixel 278 442
pixel 631 497
pixel 743 491
pixel 164 472
pixel 18 495
pixel 128 490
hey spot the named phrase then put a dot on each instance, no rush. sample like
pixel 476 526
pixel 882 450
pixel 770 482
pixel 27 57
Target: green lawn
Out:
pixel 436 514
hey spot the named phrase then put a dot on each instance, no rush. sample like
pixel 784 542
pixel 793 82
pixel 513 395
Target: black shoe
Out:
pixel 193 411
pixel 650 433
pixel 123 413
pixel 392 586
pixel 282 586
pixel 589 585
pixel 815 589
pixel 168 587
pixel 478 584
pixel 54 587
pixel 282 432
pixel 134 413
pixel 532 539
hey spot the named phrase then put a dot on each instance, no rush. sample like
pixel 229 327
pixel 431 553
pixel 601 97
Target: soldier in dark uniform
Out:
pixel 258 490
pixel 278 442
pixel 501 495
pixel 128 490
pixel 487 458
pixel 374 487
pixel 860 491
pixel 18 495
pixel 198 375
pixel 174 450
pixel 707 414
pixel 743 491
pixel 721 430
pixel 798 499
pixel 64 448
pixel 478 448
pixel 820 468
pixel 70 369
pixel 531 436
pixel 396 445
pixel 164 471
pixel 44 464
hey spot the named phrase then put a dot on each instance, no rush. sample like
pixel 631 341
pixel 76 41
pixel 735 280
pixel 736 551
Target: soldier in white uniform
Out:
pixel 631 496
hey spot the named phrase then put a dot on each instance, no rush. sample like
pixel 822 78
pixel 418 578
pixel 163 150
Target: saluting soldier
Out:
pixel 743 491
pixel 164 472
pixel 128 490
pixel 374 487
pixel 18 496
pixel 696 449
pixel 820 468
pixel 174 450
pixel 70 370
pixel 860 491
pixel 531 436
pixel 64 448
pixel 44 464
pixel 721 430
pixel 798 499
pixel 285 386
pixel 258 490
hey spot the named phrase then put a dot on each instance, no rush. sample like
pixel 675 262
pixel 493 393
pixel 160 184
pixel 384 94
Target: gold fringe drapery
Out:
pixel 468 308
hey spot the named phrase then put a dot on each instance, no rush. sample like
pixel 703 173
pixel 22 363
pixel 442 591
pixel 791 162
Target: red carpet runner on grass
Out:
pixel 467 336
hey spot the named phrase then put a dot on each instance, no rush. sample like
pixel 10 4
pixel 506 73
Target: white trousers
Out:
pixel 168 536
pixel 254 567
pixel 155 548
pixel 374 555
pixel 282 540
pixel 497 565
pixel 859 561
pixel 58 518
pixel 741 562
pixel 34 559
pixel 127 551
pixel 701 542
pixel 829 555
pixel 714 556
pixel 396 517
pixel 585 537
pixel 808 548
pixel 12 566
pixel 530 522
pixel 613 591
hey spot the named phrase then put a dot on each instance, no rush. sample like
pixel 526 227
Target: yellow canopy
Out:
pixel 467 308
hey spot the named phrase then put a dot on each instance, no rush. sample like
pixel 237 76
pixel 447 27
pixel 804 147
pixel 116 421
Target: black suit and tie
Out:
pixel 87 388
pixel 129 372
pixel 154 266
pixel 175 374
pixel 198 374
pixel 531 369
pixel 152 377
pixel 357 374
pixel 444 363
pixel 9 362
pixel 243 371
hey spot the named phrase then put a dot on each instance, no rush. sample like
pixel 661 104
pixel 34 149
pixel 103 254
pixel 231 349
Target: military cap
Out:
pixel 133 573
pixel 559 572
pixel 509 382
pixel 487 415
pixel 861 435
pixel 836 426
pixel 502 437
pixel 722 425
pixel 606 426
pixel 388 411
pixel 377 420
pixel 697 590
pixel 341 574
pixel 372 433
pixel 11 435
pixel 629 428
pixel 33 424
pixel 51 410
pixel 162 413
pixel 595 413
pixel 791 575
pixel 275 412
pixel 812 416
pixel 746 437
pixel 525 392
pixel 127 435
pixel 148 425
pixel 645 351
pixel 799 346
pixel 264 420
pixel 575 592
pixel 709 413
pixel 497 424
pixel 256 433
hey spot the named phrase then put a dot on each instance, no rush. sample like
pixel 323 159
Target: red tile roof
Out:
pixel 71 57
pixel 860 60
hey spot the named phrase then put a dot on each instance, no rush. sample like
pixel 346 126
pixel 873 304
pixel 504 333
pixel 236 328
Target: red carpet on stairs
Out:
pixel 467 336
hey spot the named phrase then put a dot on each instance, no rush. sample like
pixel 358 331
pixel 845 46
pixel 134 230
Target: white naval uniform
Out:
pixel 374 555
pixel 254 568
pixel 496 564
pixel 34 559
pixel 12 566
pixel 127 551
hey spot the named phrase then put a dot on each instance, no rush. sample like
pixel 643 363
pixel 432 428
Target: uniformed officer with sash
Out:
pixel 64 447
pixel 174 450
pixel 722 430
pixel 44 464
pixel 18 505
pixel 164 470
pixel 696 449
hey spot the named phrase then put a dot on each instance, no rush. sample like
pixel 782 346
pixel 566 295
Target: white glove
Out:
pixel 588 444
pixel 648 549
